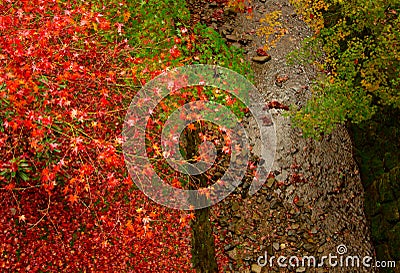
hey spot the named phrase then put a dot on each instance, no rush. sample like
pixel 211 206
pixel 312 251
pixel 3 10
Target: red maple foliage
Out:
pixel 67 203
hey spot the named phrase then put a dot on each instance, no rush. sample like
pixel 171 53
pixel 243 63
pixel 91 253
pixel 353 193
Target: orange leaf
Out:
pixel 73 198
pixel 10 187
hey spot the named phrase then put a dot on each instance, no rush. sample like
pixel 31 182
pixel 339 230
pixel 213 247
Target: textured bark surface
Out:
pixel 203 248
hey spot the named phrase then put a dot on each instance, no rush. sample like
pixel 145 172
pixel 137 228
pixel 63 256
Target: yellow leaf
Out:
pixel 139 210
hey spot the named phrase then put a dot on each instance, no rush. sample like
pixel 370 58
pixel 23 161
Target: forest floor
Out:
pixel 314 205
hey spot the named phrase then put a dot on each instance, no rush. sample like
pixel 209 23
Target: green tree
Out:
pixel 357 48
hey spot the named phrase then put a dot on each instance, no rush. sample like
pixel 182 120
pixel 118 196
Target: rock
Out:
pixel 235 206
pixel 256 216
pixel 229 11
pixel 237 215
pixel 301 269
pixel 231 38
pixel 223 221
pixel 308 247
pixel 246 39
pixel 261 59
pixel 270 250
pixel 274 204
pixel 225 32
pixel 256 268
pixel 270 182
pixel 228 247
pixel 233 254
pixel 237 45
pixel 283 246
pixel 213 4
pixel 291 233
pixel 314 230
pixel 300 203
pixel 290 189
pixel 295 226
pixel 276 246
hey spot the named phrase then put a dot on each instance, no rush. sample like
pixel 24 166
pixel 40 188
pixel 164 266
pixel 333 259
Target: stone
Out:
pixel 228 247
pixel 256 268
pixel 295 226
pixel 229 11
pixel 233 254
pixel 261 59
pixel 270 250
pixel 237 45
pixel 276 246
pixel 270 182
pixel 274 204
pixel 290 189
pixel 231 38
pixel 256 216
pixel 301 269
pixel 291 233
pixel 314 230
pixel 235 206
pixel 308 247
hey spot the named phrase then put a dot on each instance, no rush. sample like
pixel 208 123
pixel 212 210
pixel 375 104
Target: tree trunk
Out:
pixel 203 248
